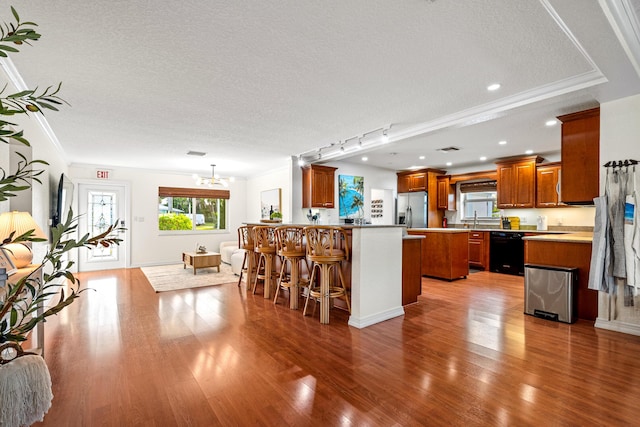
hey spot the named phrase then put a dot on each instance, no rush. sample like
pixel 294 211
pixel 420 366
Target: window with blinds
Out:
pixel 192 209
pixel 479 199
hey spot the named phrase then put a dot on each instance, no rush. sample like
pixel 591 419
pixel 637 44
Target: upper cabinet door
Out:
pixel 580 153
pixel 418 182
pixel 547 186
pixel 505 184
pixel 404 183
pixel 412 182
pixel 517 182
pixel 318 185
pixel 446 193
pixel 524 192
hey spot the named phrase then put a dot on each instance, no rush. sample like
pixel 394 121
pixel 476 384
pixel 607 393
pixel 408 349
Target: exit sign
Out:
pixel 103 174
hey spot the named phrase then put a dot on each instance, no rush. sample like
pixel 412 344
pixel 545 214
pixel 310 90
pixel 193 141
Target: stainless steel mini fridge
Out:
pixel 550 292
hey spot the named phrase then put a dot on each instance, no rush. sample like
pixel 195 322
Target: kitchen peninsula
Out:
pixel 373 272
pixel 445 252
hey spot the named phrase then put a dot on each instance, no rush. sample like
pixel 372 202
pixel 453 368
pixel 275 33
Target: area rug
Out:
pixel 174 277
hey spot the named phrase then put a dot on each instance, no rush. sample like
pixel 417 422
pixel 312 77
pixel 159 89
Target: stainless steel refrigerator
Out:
pixel 411 209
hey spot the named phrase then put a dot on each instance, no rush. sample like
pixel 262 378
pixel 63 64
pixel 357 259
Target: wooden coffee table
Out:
pixel 201 260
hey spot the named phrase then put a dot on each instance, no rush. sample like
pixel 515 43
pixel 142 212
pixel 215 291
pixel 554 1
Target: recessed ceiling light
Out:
pixel 502 142
pixel 493 86
pixel 528 152
pixel 483 158
pixel 551 122
pixel 449 163
pixel 421 157
pixel 364 159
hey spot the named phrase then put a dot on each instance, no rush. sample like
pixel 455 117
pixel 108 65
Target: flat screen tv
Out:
pixel 63 200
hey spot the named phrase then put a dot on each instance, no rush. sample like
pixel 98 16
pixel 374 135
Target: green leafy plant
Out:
pixel 173 221
pixel 276 215
pixel 19 302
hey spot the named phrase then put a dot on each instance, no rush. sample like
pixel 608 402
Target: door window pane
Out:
pixel 102 208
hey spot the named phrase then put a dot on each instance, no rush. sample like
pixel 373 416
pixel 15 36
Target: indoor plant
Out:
pixel 20 300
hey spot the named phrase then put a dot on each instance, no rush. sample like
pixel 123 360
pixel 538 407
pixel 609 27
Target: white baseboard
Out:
pixel 617 326
pixel 363 322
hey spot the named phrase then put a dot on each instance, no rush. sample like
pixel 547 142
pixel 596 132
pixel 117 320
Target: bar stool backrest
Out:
pixel 264 238
pixel 245 238
pixel 290 240
pixel 326 243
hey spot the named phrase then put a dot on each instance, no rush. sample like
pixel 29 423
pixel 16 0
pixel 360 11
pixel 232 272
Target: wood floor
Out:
pixel 465 354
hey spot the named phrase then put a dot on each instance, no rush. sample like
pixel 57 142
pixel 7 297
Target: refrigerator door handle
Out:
pixel 409 217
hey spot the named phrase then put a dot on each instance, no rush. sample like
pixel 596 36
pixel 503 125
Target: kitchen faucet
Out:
pixel 475 219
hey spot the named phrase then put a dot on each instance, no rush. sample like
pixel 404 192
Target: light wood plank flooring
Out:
pixel 465 354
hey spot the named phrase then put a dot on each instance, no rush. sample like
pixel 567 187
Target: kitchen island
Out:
pixel 445 252
pixel 373 272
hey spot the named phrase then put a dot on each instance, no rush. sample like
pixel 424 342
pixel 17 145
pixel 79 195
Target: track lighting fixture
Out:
pixel 361 141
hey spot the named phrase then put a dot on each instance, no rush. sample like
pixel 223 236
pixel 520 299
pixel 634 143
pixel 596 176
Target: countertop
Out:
pixel 345 226
pixel 439 230
pixel 580 237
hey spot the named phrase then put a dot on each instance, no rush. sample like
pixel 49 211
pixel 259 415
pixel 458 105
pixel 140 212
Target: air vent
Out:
pixel 447 149
pixel 196 153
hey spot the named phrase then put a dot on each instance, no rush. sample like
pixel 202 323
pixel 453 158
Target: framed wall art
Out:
pixel 270 201
pixel 351 196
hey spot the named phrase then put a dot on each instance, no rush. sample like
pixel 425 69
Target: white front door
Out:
pixel 99 207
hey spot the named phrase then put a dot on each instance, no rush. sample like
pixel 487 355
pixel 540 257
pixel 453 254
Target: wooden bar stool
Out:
pixel 245 241
pixel 326 248
pixel 291 248
pixel 264 239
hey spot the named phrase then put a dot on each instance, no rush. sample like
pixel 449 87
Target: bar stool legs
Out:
pixel 292 282
pixel 325 291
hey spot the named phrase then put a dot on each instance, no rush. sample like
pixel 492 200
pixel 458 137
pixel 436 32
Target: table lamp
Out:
pixel 20 223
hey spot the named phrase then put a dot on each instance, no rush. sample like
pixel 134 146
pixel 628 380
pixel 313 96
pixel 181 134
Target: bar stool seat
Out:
pixel 265 248
pixel 326 248
pixel 291 248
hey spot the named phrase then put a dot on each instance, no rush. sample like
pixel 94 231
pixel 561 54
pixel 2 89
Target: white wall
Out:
pixel 619 131
pixel 148 245
pixel 277 178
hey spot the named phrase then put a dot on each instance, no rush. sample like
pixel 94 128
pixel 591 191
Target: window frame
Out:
pixel 194 194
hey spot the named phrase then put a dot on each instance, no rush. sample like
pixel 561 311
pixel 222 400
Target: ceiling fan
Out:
pixel 213 180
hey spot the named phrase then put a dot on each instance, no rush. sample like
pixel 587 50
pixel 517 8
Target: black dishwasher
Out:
pixel 506 252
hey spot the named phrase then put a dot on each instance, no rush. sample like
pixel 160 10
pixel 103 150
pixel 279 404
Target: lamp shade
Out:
pixel 20 223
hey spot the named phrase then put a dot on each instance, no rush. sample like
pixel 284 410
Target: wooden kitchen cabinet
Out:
pixel 548 185
pixel 446 193
pixel 517 182
pixel 580 154
pixel 408 182
pixel 445 253
pixel 574 254
pixel 411 269
pixel 479 249
pixel 318 186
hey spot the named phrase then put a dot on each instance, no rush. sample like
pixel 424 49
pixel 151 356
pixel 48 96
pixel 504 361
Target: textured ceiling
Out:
pixel 252 83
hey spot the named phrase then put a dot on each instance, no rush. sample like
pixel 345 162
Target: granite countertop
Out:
pixel 439 230
pixel 580 237
pixel 345 226
pixel 521 231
